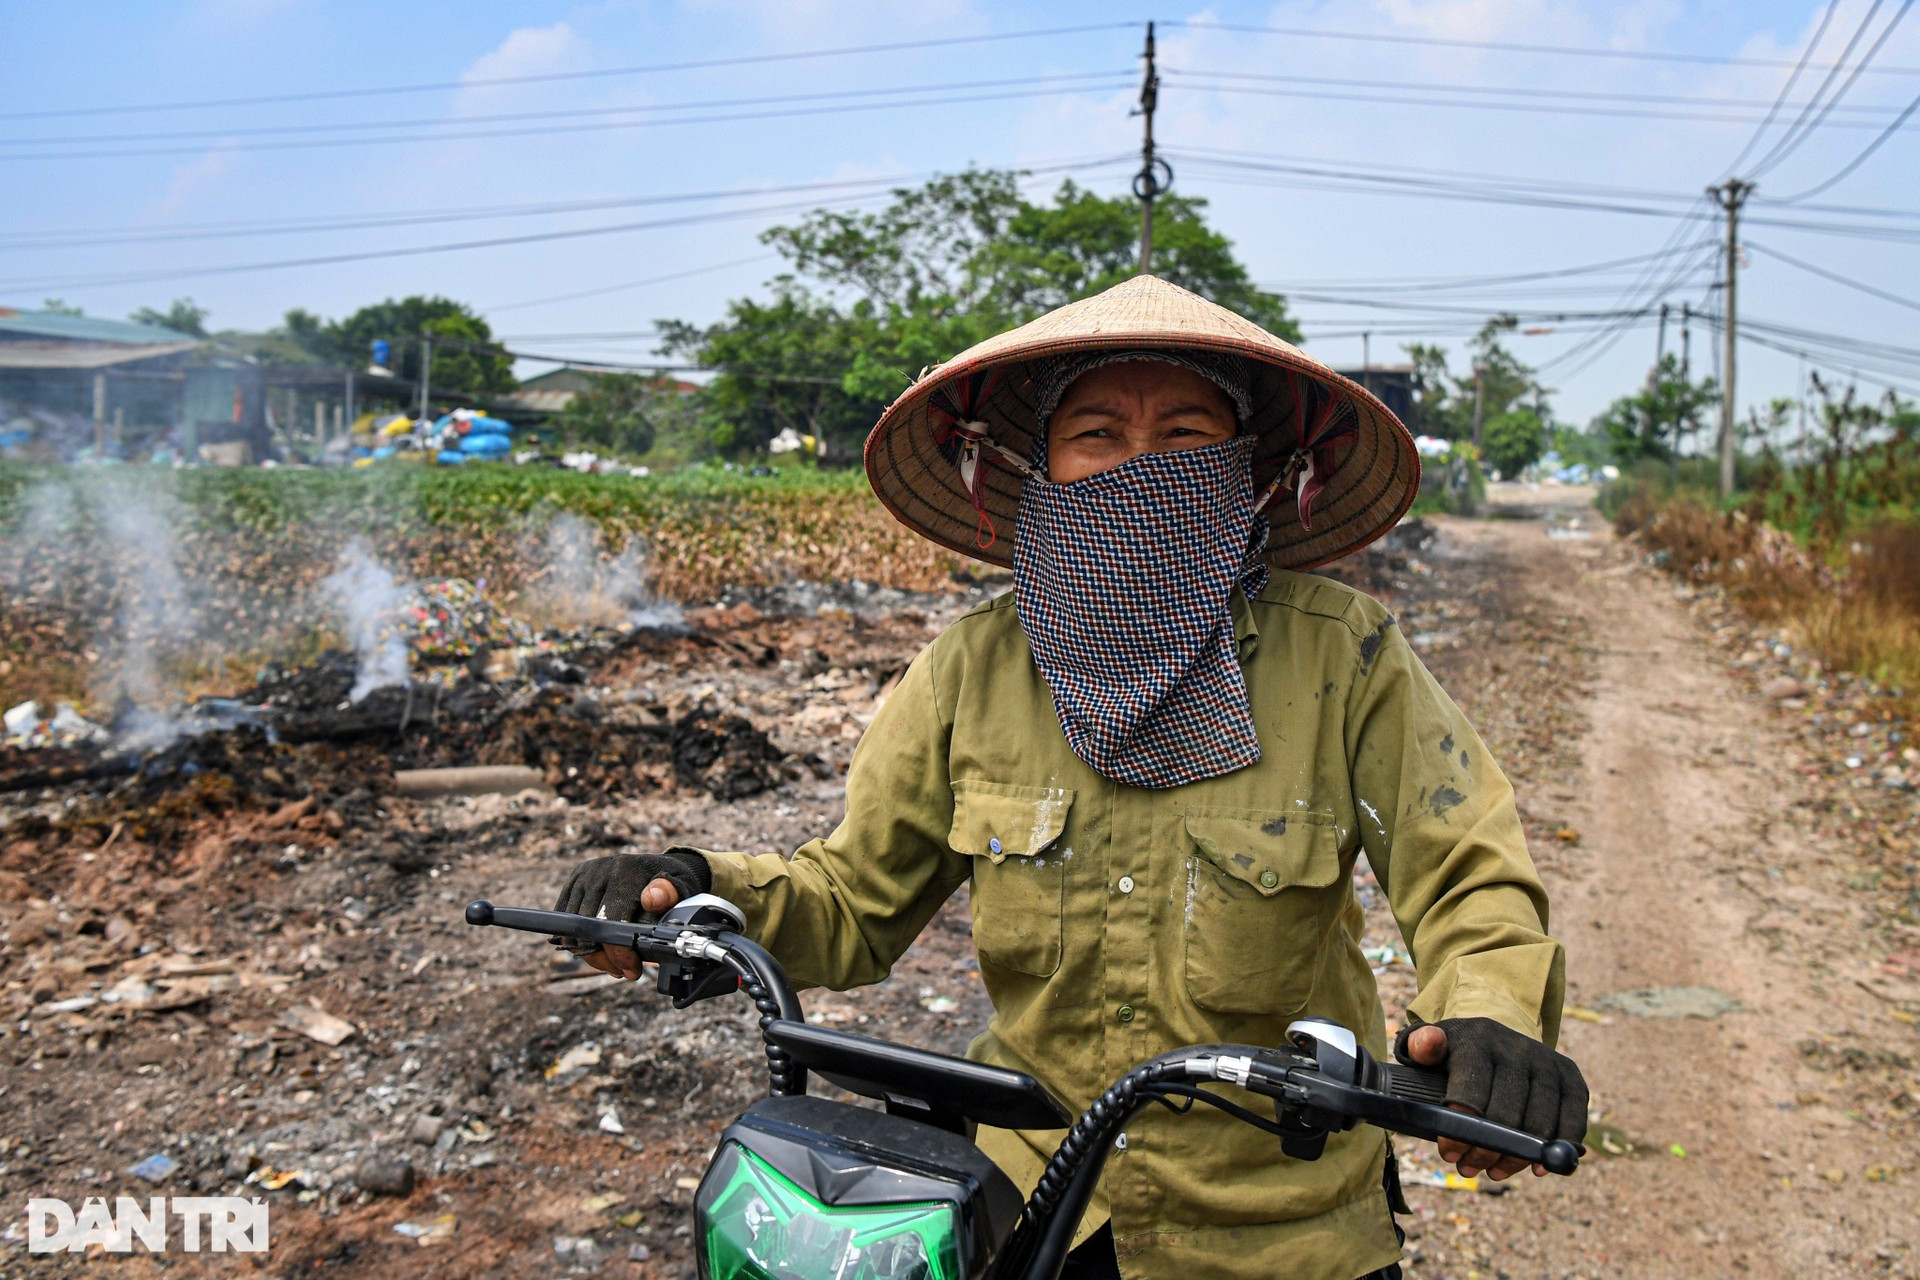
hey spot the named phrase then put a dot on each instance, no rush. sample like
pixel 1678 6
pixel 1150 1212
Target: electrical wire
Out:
pixel 1895 298
pixel 573 233
pixel 632 284
pixel 1790 141
pixel 1785 89
pixel 1505 46
pixel 1552 101
pixel 372 91
pixel 1898 123
pixel 1115 81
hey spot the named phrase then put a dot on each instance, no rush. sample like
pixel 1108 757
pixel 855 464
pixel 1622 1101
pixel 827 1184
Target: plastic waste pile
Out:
pixel 449 619
pixel 27 730
pixel 466 436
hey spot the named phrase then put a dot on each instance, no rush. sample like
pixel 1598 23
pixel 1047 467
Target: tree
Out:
pixel 182 317
pixel 466 359
pixel 61 307
pixel 1512 441
pixel 616 412
pixel 1653 422
pixel 873 298
pixel 1434 412
pixel 783 363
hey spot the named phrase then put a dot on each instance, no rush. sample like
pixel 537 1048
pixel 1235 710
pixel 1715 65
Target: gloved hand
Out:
pixel 615 888
pixel 1494 1071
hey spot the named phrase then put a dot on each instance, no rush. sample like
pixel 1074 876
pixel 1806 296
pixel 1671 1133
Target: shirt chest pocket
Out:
pixel 1019 876
pixel 1263 889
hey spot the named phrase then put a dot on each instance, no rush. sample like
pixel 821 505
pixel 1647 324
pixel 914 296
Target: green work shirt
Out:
pixel 1115 923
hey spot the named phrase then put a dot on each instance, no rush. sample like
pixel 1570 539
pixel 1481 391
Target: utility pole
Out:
pixel 426 371
pixel 1686 341
pixel 1660 346
pixel 1729 195
pixel 1155 175
pixel 1479 401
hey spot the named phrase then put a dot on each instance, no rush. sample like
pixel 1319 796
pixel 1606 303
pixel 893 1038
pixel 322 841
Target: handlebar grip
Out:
pixel 1416 1084
pixel 608 933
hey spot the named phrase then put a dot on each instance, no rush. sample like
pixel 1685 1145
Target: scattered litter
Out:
pixel 939 1004
pixel 1835 1176
pixel 478 780
pixel 21 721
pixel 275 1179
pixel 1609 1140
pixel 638 1253
pixel 579 1058
pixel 383 1177
pixel 1384 954
pixel 1585 1014
pixel 157 1167
pixel 1448 1181
pixel 631 1219
pixel 1671 1002
pixel 433 1231
pixel 1568 835
pixel 605 1200
pixel 72 1005
pixel 581 1249
pixel 317 1024
pixel 1677 1151
pixel 1880 1173
pixel 610 1122
pixel 687 1184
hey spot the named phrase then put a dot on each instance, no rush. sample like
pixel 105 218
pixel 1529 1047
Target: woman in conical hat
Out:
pixel 1156 762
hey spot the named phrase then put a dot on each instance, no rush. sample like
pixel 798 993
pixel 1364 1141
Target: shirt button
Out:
pixel 1126 1013
pixel 1268 879
pixel 1126 884
pixel 994 844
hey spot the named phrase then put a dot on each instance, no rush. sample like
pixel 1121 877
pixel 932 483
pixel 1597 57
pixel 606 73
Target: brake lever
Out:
pixel 1308 1087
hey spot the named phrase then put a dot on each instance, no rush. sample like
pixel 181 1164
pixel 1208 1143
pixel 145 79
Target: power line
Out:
pixel 325 95
pixel 574 113
pixel 1860 159
pixel 1531 96
pixel 1787 88
pixel 1895 298
pixel 1508 46
pixel 631 284
pixel 1790 141
pixel 601 127
pixel 411 251
pixel 574 233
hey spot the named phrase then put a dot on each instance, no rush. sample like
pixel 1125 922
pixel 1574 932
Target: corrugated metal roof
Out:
pixel 57 324
pixel 84 355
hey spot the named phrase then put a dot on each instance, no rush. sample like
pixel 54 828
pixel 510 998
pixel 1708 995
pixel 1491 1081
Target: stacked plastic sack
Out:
pixel 465 436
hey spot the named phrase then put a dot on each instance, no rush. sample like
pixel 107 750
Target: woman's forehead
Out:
pixel 1135 379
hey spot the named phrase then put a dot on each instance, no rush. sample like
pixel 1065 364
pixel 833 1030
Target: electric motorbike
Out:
pixel 807 1188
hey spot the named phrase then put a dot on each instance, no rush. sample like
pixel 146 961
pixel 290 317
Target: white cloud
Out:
pixel 871 21
pixel 193 182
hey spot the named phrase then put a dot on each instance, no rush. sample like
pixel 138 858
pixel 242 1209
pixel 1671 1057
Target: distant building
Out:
pixel 1393 383
pixel 78 378
pixel 546 394
pixel 69 384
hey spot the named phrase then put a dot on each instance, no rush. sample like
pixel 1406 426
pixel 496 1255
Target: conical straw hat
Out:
pixel 1363 458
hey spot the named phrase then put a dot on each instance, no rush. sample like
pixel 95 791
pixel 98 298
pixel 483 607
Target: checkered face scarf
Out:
pixel 1122 581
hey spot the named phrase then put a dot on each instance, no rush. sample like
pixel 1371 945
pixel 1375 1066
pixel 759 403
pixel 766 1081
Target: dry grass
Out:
pixel 1857 608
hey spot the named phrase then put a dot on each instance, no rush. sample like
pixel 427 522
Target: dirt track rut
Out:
pixel 1695 866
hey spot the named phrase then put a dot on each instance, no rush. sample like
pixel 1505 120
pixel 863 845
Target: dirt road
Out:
pixel 1697 865
pixel 163 939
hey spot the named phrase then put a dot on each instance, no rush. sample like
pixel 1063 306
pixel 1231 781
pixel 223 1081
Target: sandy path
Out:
pixel 1692 869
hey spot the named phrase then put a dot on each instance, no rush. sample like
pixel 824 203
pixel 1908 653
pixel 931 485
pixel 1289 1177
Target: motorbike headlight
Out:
pixel 803 1188
pixel 756 1224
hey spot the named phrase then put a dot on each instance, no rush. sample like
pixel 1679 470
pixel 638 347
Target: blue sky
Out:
pixel 207 189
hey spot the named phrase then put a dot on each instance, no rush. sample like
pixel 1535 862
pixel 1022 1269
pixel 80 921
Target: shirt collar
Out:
pixel 1246 632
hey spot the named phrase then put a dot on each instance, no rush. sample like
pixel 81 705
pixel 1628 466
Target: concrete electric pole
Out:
pixel 1155 175
pixel 1729 195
